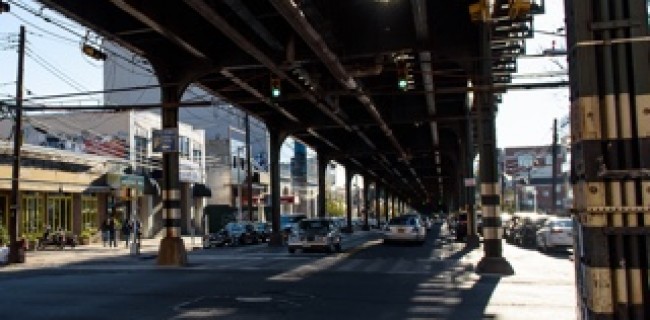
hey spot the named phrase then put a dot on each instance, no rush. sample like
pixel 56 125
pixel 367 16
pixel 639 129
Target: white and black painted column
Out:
pixel 348 199
pixel 172 249
pixel 610 164
pixel 366 203
pixel 493 260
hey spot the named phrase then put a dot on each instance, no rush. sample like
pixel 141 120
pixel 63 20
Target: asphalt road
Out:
pixel 368 280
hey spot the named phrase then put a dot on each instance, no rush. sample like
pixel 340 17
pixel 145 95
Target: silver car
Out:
pixel 555 233
pixel 405 228
pixel 316 233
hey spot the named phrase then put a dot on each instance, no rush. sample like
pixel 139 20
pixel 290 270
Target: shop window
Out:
pixel 32 214
pixel 59 212
pixel 89 212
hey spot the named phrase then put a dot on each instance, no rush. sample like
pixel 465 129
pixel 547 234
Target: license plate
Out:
pixel 400 230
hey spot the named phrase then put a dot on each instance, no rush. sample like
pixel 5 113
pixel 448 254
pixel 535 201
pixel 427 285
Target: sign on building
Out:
pixel 165 140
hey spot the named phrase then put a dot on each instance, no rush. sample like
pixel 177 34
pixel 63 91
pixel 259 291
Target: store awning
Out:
pixel 201 191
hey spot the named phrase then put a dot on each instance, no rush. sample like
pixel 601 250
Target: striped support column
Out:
pixel 172 248
pixel 610 124
pixel 492 229
pixel 171 212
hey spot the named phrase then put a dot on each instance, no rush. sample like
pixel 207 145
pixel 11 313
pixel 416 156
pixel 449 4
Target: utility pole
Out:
pixel 554 169
pixel 17 255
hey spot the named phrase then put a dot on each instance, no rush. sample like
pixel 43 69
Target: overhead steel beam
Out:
pixel 160 28
pixel 296 18
pixel 210 15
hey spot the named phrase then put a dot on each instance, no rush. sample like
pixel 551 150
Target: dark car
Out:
pixel 249 234
pixel 525 231
pixel 263 231
pixel 231 234
pixel 461 227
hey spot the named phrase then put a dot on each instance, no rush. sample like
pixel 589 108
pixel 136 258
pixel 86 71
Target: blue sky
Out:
pixel 524 118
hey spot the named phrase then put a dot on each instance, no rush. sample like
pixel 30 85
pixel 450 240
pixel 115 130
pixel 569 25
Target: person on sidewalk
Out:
pixel 112 242
pixel 105 232
pixel 126 232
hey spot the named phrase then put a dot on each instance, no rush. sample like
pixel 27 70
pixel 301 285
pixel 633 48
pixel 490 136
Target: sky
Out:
pixel 55 64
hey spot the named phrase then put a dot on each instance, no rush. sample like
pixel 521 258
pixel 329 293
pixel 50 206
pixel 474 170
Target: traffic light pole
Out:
pixel 15 253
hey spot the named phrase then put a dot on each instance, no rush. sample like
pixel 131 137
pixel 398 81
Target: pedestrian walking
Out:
pixel 112 242
pixel 126 232
pixel 105 231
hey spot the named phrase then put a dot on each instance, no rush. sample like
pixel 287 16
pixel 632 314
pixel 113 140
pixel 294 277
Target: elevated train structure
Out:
pixel 405 94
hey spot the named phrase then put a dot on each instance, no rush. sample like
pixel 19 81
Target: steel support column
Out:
pixel 348 200
pixel 323 162
pixel 386 204
pixel 366 203
pixel 172 248
pixel 610 167
pixel 276 138
pixel 377 203
pixel 492 261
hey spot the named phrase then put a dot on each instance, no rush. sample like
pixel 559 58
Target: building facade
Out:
pixel 79 168
pixel 528 179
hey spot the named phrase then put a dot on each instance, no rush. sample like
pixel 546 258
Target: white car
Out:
pixel 555 233
pixel 405 228
pixel 315 233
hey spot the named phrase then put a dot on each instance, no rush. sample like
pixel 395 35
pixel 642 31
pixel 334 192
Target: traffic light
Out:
pixel 93 52
pixel 275 87
pixel 402 75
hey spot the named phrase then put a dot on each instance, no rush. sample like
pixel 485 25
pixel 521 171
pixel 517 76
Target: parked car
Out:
pixel 315 233
pixel 555 233
pixel 428 223
pixel 524 233
pixel 249 235
pixel 289 221
pixel 229 235
pixel 263 231
pixel 405 228
pixel 460 227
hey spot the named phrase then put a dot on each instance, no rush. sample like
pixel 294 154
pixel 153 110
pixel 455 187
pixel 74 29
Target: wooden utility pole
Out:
pixel 16 254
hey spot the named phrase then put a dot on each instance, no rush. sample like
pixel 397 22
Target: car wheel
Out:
pixel 338 247
pixel 331 248
pixel 292 250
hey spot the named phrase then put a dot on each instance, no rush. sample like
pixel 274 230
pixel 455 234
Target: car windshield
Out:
pixel 563 223
pixel 290 219
pixel 403 220
pixel 233 227
pixel 314 225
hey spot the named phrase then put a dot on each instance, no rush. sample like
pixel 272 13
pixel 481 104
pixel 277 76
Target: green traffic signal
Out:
pixel 402 84
pixel 275 92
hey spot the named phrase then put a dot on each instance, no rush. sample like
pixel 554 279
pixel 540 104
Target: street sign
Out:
pixel 132 181
pixel 470 182
pixel 165 140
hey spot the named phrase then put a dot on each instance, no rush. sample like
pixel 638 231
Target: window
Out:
pixel 546 193
pixel 32 214
pixel 525 160
pixel 88 212
pixel 59 212
pixel 184 147
pixel 141 149
pixel 196 155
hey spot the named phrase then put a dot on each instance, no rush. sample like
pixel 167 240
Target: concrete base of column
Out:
pixel 16 252
pixel 473 241
pixel 276 240
pixel 172 252
pixel 495 265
